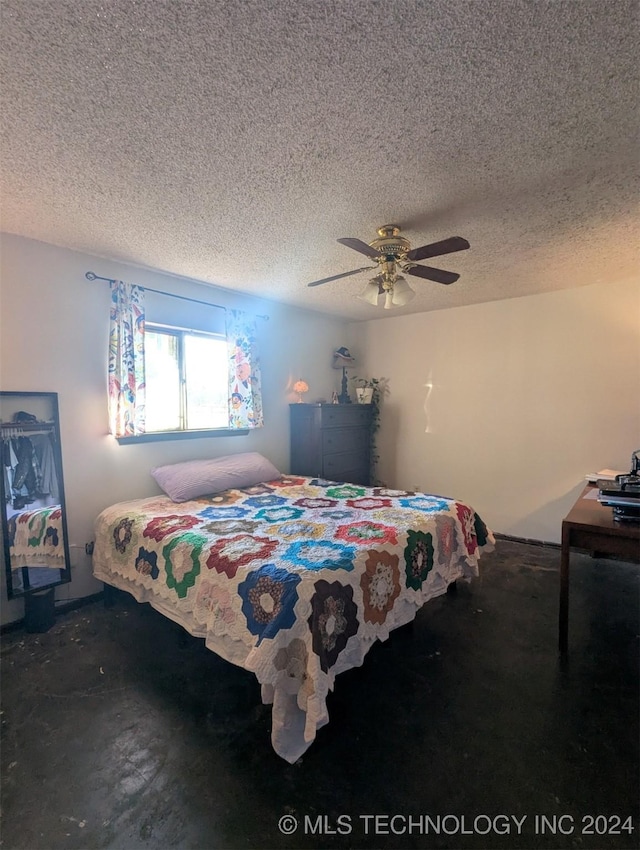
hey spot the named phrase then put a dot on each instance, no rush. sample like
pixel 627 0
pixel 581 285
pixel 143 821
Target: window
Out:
pixel 186 365
pixel 186 379
pixel 172 370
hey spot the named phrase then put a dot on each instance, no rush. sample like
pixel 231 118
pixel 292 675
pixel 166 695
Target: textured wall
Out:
pixel 509 405
pixel 53 337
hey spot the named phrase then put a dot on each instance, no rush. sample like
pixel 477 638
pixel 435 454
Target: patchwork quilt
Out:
pixel 36 538
pixel 293 579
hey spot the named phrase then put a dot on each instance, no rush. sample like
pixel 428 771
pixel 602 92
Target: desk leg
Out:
pixel 563 631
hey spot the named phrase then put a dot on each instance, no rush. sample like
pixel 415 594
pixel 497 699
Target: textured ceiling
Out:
pixel 233 141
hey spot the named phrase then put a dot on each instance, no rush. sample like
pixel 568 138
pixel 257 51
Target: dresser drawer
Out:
pixel 331 441
pixel 345 416
pixel 344 439
pixel 347 466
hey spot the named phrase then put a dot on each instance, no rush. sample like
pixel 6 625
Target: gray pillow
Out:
pixel 193 478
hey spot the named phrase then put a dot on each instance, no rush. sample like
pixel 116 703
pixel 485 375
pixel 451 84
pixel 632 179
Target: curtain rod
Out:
pixel 94 276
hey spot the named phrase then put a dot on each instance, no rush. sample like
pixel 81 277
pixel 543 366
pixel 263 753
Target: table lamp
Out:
pixel 341 360
pixel 300 387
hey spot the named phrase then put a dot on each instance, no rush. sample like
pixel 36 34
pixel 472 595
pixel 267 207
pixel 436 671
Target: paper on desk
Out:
pixel 592 494
pixel 604 474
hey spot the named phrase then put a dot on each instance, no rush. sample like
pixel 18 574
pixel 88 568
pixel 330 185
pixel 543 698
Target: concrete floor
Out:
pixel 119 730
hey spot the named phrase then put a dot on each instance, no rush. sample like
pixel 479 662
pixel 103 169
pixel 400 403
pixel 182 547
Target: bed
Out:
pixel 36 538
pixel 293 578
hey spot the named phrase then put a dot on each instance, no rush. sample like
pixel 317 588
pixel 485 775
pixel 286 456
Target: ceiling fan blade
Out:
pixel 337 276
pixel 439 275
pixel 359 245
pixel 446 246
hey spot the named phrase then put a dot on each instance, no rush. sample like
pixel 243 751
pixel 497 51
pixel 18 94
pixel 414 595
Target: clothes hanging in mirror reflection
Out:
pixel 29 469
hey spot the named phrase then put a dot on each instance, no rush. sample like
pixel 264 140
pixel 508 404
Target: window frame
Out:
pixel 182 433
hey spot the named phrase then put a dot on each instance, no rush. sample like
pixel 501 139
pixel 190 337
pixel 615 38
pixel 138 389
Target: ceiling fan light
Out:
pixel 402 293
pixel 370 293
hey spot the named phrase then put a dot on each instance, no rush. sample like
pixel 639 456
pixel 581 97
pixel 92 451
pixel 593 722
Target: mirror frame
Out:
pixel 64 572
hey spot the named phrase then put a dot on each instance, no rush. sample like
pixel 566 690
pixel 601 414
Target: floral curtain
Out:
pixel 126 360
pixel 245 382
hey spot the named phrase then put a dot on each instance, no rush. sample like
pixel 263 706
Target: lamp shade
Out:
pixel 402 293
pixel 342 359
pixel 397 295
pixel 370 293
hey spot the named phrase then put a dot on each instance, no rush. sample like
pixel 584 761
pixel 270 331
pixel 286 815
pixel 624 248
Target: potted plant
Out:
pixel 376 389
pixel 370 390
pixel 364 393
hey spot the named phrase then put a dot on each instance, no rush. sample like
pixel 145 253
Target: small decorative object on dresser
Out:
pixel 371 390
pixel 300 387
pixel 332 441
pixel 342 359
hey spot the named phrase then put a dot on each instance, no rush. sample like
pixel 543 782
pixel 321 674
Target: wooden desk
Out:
pixel 590 525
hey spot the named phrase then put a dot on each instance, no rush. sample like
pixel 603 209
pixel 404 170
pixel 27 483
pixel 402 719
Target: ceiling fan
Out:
pixel 393 252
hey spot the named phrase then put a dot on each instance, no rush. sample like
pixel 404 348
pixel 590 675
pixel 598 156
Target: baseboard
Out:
pixel 531 542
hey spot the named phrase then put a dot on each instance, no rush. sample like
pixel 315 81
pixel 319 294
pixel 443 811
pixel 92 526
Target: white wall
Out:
pixel 509 404
pixel 506 405
pixel 53 338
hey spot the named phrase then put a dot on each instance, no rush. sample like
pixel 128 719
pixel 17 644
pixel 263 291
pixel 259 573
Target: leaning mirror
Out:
pixel 34 522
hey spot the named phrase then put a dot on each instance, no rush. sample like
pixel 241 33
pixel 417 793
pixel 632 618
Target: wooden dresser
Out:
pixel 331 441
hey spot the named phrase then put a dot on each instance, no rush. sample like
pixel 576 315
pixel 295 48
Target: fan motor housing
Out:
pixel 390 243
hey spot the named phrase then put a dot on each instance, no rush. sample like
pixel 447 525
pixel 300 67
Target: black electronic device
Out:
pixel 624 486
pixel 622 494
